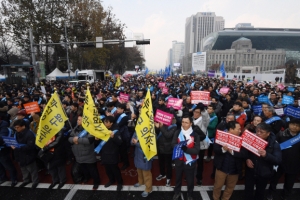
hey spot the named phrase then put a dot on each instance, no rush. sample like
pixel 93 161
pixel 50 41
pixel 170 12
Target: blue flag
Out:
pixel 222 69
pixel 146 71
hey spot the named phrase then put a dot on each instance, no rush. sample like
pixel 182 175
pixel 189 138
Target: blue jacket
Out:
pixel 140 161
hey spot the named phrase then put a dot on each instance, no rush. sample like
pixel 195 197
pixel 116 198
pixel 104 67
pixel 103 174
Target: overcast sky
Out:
pixel 163 21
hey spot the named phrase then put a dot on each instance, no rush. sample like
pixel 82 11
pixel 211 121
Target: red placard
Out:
pixel 163 117
pixel 161 84
pixel 124 97
pixel 200 96
pixel 252 142
pixel 165 90
pixel 231 141
pixel 32 107
pixel 175 103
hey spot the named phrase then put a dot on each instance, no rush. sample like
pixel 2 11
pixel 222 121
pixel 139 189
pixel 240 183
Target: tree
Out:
pixel 215 67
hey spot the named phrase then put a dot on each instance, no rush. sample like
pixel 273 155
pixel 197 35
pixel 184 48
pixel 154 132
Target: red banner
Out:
pixel 200 96
pixel 165 90
pixel 252 142
pixel 32 107
pixel 161 84
pixel 227 139
pixel 175 103
pixel 163 117
pixel 124 97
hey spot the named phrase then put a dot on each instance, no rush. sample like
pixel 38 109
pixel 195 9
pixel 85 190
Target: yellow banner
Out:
pixel 91 121
pixel 145 128
pixel 118 82
pixel 51 122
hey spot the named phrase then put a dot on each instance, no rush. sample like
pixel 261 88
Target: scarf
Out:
pixel 197 120
pixel 187 134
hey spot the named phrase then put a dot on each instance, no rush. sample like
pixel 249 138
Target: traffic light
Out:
pixel 31 72
pixel 142 42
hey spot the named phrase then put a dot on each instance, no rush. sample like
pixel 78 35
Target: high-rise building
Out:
pixel 176 53
pixel 199 26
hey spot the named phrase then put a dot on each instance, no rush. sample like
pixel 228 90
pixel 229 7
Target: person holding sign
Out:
pixel 26 154
pixel 228 165
pixel 259 169
pixel 186 161
pixel 290 148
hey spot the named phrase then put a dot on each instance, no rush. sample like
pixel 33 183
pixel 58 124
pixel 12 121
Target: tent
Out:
pixel 57 74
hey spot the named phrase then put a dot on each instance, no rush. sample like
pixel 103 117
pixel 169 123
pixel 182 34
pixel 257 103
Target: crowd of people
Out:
pixel 197 124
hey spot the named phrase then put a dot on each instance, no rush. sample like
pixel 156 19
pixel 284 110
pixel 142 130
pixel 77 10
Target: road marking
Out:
pixel 204 195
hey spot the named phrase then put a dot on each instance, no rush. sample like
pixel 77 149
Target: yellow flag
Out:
pixel 145 128
pixel 91 121
pixel 118 82
pixel 52 121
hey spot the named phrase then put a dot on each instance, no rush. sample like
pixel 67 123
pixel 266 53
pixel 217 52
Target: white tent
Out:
pixel 54 74
pixel 132 73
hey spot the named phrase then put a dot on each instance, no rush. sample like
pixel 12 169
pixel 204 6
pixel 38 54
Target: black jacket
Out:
pixel 110 151
pixel 3 132
pixel 164 142
pixel 263 166
pixel 237 156
pixel 26 154
pixel 290 156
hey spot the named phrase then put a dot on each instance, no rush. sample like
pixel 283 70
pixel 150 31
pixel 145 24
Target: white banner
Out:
pixel 199 61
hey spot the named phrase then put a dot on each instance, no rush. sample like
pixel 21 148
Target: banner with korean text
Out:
pixel 161 84
pixel 163 117
pixel 175 103
pixel 292 112
pixel 51 122
pixel 145 130
pixel 91 121
pixel 32 107
pixel 252 142
pixel 227 139
pixel 165 90
pixel 200 96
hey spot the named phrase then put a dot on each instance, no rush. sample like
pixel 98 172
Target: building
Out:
pixel 199 26
pixel 245 49
pixel 175 54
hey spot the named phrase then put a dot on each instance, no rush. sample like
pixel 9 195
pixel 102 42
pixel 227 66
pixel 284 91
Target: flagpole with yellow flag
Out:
pixel 51 122
pixel 145 130
pixel 91 121
pixel 118 82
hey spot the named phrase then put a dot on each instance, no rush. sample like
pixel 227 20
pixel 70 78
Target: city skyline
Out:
pixel 163 22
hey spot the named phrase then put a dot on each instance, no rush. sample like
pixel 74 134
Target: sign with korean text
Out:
pixel 11 141
pixel 161 84
pixel 252 142
pixel 175 103
pixel 51 122
pixel 279 111
pixel 163 117
pixel 145 130
pixel 165 90
pixel 257 109
pixel 124 97
pixel 292 112
pixel 227 139
pixel 224 90
pixel 91 121
pixel 32 107
pixel 287 100
pixel 200 96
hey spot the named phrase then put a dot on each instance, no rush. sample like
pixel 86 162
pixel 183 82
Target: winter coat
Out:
pixel 219 159
pixel 57 145
pixel 263 166
pixel 3 132
pixel 84 150
pixel 164 142
pixel 204 122
pixel 290 156
pixel 211 129
pixel 110 151
pixel 140 161
pixel 26 154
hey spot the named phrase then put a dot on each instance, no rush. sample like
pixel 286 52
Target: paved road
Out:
pixel 84 192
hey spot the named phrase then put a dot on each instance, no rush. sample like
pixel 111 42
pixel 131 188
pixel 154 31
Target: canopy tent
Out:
pixel 57 74
pixel 131 73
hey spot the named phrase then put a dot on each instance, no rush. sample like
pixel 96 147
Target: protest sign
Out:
pixel 252 142
pixel 163 117
pixel 263 99
pixel 279 111
pixel 161 84
pixel 32 107
pixel 175 103
pixel 287 100
pixel 200 96
pixel 11 141
pixel 292 112
pixel 165 90
pixel 227 139
pixel 291 89
pixel 177 151
pixel 257 109
pixel 124 97
pixel 280 86
pixel 224 90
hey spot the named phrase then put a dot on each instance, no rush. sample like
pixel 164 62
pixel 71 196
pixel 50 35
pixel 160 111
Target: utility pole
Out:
pixel 36 79
pixel 67 49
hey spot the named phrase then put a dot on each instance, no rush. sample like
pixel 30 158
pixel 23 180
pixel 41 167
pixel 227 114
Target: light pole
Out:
pixel 67 49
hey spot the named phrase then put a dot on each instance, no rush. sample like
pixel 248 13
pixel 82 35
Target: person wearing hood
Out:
pixel 260 169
